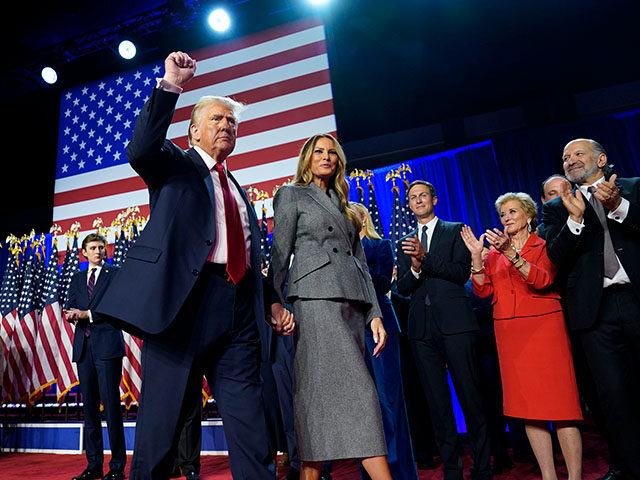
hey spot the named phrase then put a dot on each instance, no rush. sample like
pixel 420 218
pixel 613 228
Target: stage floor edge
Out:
pixel 68 438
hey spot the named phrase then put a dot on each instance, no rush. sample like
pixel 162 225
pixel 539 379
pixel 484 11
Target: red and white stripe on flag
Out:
pixel 131 382
pixel 10 380
pixel 282 75
pixel 56 339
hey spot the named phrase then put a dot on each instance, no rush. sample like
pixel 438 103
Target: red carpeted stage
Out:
pixel 36 466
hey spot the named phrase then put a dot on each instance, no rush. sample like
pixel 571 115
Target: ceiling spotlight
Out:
pixel 127 49
pixel 49 75
pixel 318 2
pixel 219 20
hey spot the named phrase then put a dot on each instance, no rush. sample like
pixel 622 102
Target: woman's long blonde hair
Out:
pixel 369 230
pixel 338 182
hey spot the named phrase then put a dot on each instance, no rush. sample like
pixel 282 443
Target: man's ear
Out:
pixel 602 160
pixel 195 133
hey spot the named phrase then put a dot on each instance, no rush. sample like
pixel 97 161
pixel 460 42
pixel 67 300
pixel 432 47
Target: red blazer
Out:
pixel 514 296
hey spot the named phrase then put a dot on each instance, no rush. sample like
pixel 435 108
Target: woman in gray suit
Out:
pixel 336 408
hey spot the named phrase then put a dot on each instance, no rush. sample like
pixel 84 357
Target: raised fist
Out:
pixel 179 68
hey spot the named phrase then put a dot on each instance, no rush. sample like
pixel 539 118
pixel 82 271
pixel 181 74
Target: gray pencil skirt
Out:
pixel 336 407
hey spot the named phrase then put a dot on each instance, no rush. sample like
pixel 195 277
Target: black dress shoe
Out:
pixel 612 474
pixel 114 475
pixel 192 476
pixel 89 474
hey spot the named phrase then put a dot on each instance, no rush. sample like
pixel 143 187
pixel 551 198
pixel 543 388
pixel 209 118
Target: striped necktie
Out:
pixel 92 282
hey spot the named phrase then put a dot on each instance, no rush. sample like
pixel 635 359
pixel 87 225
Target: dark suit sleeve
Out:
pixel 457 269
pixel 149 153
pixel 107 278
pixel 285 219
pixel 563 246
pixel 631 191
pixel 407 282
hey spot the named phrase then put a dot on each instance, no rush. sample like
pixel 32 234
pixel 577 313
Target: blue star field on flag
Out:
pixel 375 212
pixel 26 304
pixel 9 294
pixel 71 266
pixel 97 119
pixel 50 285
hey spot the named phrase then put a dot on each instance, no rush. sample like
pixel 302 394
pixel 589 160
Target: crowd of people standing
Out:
pixel 193 288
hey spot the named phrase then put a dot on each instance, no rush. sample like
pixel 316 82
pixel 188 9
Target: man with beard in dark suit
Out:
pixel 593 235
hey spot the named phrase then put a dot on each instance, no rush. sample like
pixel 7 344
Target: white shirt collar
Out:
pixel 430 225
pixel 585 188
pixel 208 159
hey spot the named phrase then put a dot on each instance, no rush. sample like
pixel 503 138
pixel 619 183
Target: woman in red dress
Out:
pixel 533 346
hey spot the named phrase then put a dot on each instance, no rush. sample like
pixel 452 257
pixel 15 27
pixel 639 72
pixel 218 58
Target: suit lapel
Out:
pixel 204 173
pixel 438 231
pixel 328 204
pixel 100 283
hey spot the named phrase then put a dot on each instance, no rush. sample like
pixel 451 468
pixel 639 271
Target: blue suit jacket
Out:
pixel 106 341
pixel 380 261
pixel 165 262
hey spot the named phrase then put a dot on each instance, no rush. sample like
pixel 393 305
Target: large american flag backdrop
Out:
pixel 282 74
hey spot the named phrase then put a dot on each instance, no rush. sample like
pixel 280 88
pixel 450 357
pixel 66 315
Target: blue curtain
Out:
pixel 465 180
pixel 468 180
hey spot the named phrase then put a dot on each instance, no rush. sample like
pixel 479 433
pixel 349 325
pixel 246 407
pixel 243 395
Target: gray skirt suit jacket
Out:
pixel 336 408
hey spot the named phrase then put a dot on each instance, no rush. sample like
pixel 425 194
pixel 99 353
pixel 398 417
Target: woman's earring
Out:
pixel 529 226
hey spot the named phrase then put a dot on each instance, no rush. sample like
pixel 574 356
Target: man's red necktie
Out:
pixel 236 253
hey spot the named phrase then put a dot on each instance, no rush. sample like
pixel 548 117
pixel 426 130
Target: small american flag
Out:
pixel 55 335
pixel 264 241
pixel 24 338
pixel 398 226
pixel 70 266
pixel 9 314
pixel 375 211
pixel 282 75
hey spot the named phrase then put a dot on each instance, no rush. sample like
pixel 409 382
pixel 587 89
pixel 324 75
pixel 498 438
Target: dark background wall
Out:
pixel 409 77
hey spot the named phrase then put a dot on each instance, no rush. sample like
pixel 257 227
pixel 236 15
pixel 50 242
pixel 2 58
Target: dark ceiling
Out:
pixel 395 65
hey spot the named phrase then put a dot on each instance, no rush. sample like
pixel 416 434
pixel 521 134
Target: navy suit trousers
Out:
pixel 100 379
pixel 214 335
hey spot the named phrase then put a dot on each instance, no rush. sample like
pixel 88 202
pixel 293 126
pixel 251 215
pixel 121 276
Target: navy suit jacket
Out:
pixel 445 270
pixel 380 261
pixel 106 341
pixel 163 265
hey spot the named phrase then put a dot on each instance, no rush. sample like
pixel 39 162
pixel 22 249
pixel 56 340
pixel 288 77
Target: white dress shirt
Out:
pixel 219 251
pixel 431 225
pixel 95 280
pixel 617 215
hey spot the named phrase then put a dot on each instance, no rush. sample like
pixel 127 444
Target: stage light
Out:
pixel 219 20
pixel 49 75
pixel 318 3
pixel 127 49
